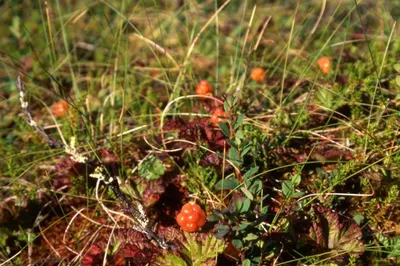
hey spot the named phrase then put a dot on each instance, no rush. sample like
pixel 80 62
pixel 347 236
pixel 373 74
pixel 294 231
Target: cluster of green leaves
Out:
pixel 197 250
pixel 151 168
pixel 242 221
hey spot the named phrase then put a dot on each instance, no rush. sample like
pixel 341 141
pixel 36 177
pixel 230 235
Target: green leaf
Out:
pixel 226 184
pixel 245 206
pixel 151 168
pixel 246 148
pixel 247 193
pixel 222 230
pixel 237 243
pixel 197 250
pixel 233 144
pixel 264 210
pixel 296 179
pixel 251 237
pixel 171 260
pixel 256 187
pixel 246 262
pixel 242 226
pixel 233 155
pixel 250 172
pixel 239 122
pixel 287 188
pixel 394 247
pixel 239 135
pixel 398 80
pixel 396 67
pixel 358 218
pixel 225 128
pixel 227 104
pixel 296 194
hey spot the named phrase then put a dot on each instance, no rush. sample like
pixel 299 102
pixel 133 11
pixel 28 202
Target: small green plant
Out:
pixel 197 249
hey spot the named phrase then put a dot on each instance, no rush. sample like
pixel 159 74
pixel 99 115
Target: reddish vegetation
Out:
pixel 198 130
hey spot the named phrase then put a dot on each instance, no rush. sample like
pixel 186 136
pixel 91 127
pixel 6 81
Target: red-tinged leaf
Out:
pixel 93 257
pixel 330 230
pixel 210 159
pixel 132 253
pixel 198 130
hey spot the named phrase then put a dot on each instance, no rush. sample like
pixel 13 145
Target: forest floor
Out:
pixel 199 132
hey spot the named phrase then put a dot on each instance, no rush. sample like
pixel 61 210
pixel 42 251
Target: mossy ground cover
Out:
pixel 299 167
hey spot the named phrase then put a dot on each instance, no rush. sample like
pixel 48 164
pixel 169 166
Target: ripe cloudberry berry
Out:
pixel 324 64
pixel 204 88
pixel 218 116
pixel 257 74
pixel 60 108
pixel 191 217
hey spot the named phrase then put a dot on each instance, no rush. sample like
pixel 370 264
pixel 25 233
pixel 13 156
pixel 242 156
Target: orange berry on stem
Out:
pixel 324 63
pixel 60 108
pixel 204 88
pixel 216 116
pixel 257 74
pixel 191 217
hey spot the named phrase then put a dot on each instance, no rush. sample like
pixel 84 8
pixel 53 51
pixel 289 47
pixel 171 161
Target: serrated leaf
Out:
pixel 333 233
pixel 171 259
pixel 226 184
pixel 225 128
pixel 199 249
pixel 151 168
pixel 393 246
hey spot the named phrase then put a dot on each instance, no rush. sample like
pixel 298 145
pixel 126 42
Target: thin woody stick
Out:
pixel 25 107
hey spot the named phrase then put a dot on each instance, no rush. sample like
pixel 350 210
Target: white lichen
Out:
pixel 143 220
pixel 75 155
